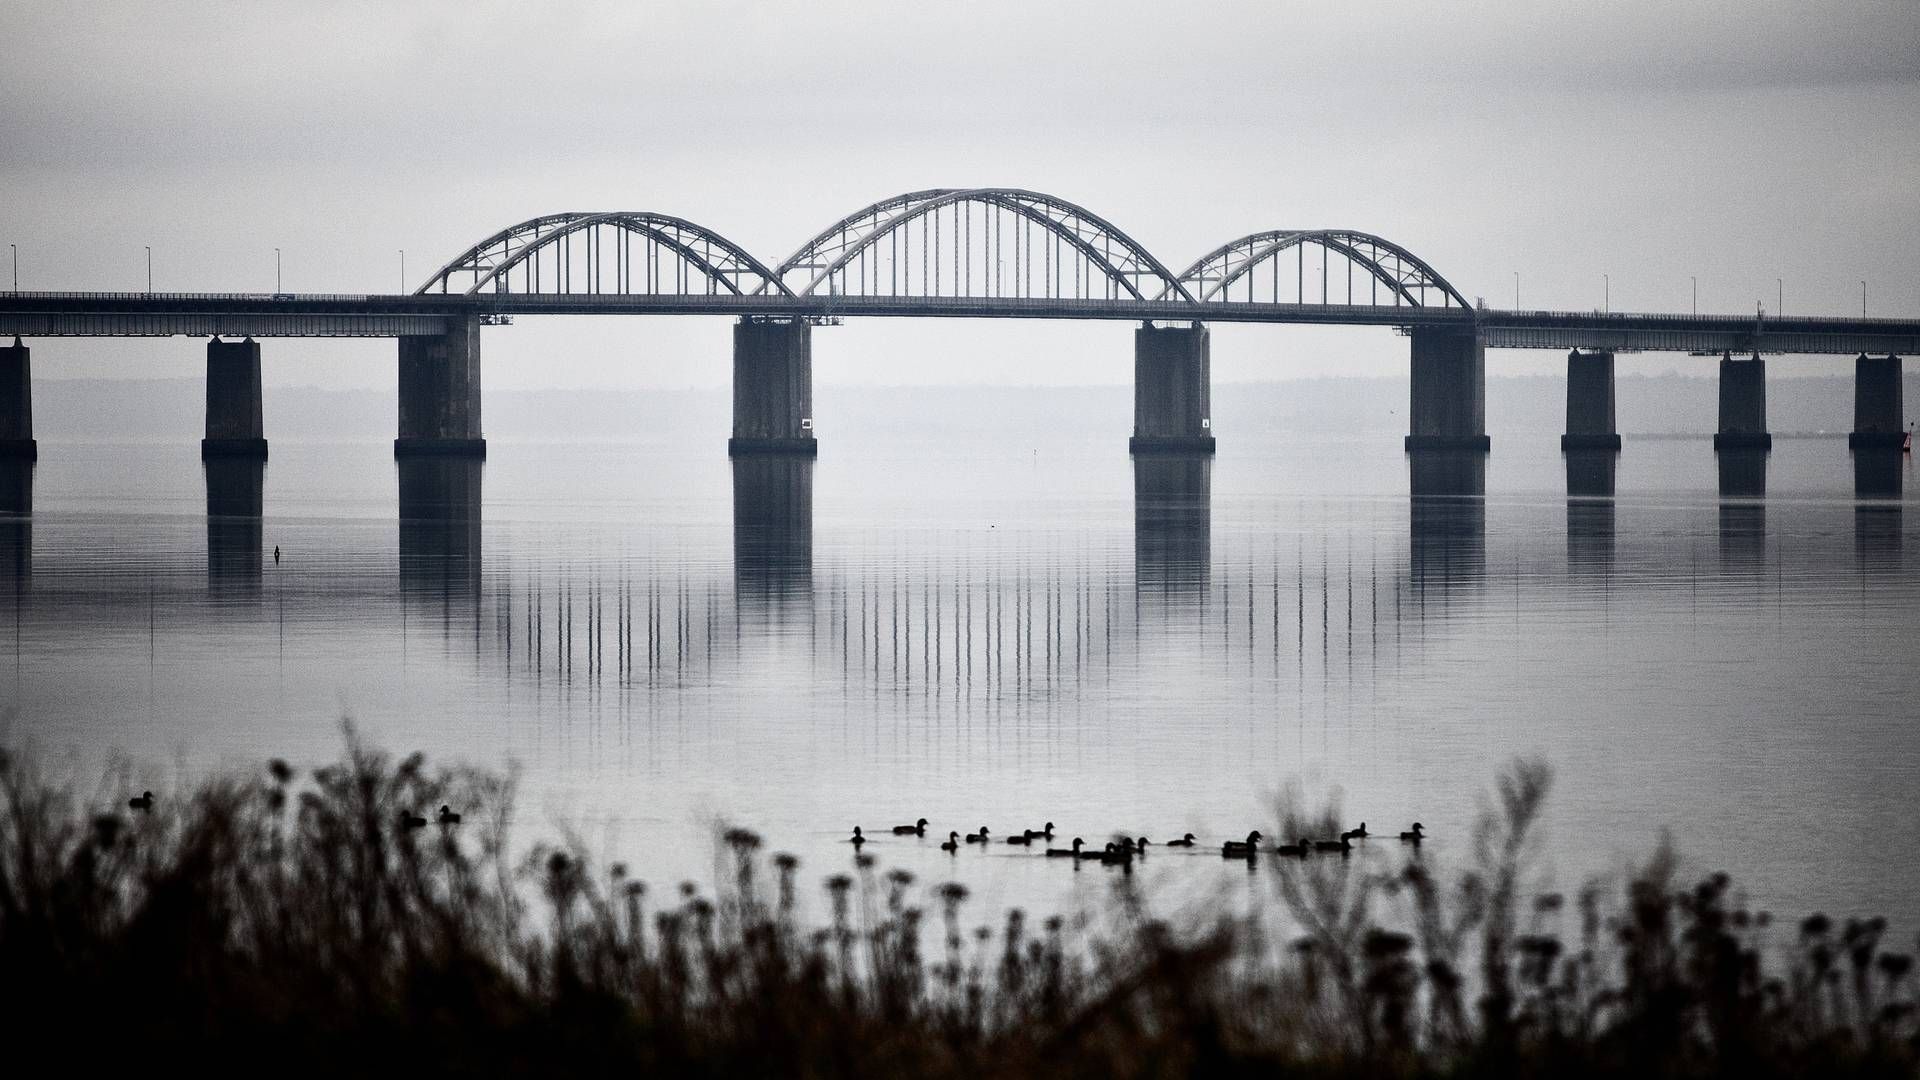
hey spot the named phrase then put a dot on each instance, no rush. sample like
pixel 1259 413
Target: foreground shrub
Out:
pixel 320 924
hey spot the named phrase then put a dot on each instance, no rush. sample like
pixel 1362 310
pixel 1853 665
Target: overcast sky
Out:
pixel 1649 141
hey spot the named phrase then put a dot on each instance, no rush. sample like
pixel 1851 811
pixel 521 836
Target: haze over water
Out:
pixel 939 619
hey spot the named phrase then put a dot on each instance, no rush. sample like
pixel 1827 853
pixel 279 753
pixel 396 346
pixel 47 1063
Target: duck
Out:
pixel 1046 832
pixel 953 842
pixel 1066 853
pixel 1185 841
pixel 1302 849
pixel 143 801
pixel 1116 855
pixel 1242 849
pixel 978 837
pixel 1413 835
pixel 1140 845
pixel 1343 845
pixel 1356 834
pixel 918 828
pixel 856 840
pixel 411 820
pixel 447 816
pixel 1101 854
pixel 1020 838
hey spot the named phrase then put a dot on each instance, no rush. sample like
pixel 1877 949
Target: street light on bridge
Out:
pixel 276 271
pixel 1696 293
pixel 1606 295
pixel 1516 290
pixel 15 249
pixel 403 271
pixel 149 268
pixel 1863 299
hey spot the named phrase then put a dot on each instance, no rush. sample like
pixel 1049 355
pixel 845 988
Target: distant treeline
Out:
pixel 334 923
pixel 172 409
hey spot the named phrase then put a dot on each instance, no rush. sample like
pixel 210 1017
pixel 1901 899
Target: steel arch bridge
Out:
pixel 1232 270
pixel 613 253
pixel 955 251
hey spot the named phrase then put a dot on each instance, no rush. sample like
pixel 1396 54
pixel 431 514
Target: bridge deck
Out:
pixel 385 316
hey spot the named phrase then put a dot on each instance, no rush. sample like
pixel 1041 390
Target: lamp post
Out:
pixel 403 271
pixel 1696 293
pixel 1606 295
pixel 276 271
pixel 1516 290
pixel 149 267
pixel 1779 297
pixel 15 249
pixel 1863 299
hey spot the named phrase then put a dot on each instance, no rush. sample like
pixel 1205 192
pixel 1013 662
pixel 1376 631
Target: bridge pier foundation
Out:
pixel 1448 410
pixel 16 402
pixel 1743 405
pixel 1878 412
pixel 772 387
pixel 234 427
pixel 1590 420
pixel 440 393
pixel 1172 390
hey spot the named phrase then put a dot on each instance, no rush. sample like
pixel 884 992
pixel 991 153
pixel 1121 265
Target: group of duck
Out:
pixel 1124 849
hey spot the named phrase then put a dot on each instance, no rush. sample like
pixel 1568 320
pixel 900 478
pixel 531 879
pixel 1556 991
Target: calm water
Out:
pixel 941 624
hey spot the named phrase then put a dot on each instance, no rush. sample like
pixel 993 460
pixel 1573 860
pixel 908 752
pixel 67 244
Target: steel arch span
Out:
pixel 978 243
pixel 1230 272
pixel 609 253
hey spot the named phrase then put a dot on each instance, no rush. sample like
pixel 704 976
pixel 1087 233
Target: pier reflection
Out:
pixel 1172 525
pixel 1743 507
pixel 1590 526
pixel 1877 476
pixel 440 526
pixel 16 521
pixel 235 530
pixel 1448 516
pixel 773 533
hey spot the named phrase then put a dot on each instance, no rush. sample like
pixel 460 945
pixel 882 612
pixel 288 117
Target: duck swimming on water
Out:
pixel 1066 853
pixel 1356 834
pixel 1185 841
pixel 1020 838
pixel 1242 849
pixel 447 816
pixel 143 801
pixel 1046 832
pixel 857 839
pixel 978 837
pixel 953 842
pixel 1343 845
pixel 1302 849
pixel 411 820
pixel 918 828
pixel 1413 836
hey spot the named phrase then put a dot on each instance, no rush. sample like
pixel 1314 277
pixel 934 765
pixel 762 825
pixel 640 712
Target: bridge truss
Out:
pixel 594 254
pixel 1253 269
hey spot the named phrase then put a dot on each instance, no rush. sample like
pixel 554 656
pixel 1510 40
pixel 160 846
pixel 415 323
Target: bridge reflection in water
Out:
pixel 1743 507
pixel 16 521
pixel 1172 526
pixel 235 526
pixel 773 536
pixel 1877 476
pixel 1447 522
pixel 1590 509
pixel 440 530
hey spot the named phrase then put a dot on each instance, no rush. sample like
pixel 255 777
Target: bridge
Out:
pixel 957 253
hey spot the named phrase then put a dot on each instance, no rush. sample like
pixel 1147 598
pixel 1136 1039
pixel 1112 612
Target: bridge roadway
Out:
pixel 320 315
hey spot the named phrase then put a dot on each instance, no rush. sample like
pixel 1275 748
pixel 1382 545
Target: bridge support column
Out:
pixel 1172 390
pixel 1590 422
pixel 1878 412
pixel 772 387
pixel 233 400
pixel 440 392
pixel 1449 406
pixel 1743 405
pixel 16 402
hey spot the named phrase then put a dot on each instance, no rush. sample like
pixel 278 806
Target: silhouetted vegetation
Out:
pixel 333 923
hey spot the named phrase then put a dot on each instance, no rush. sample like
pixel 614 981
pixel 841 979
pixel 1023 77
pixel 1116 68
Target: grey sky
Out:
pixel 1648 141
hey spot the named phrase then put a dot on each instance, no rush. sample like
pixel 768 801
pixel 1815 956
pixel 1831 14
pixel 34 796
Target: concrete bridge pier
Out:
pixel 1172 390
pixel 440 393
pixel 1743 405
pixel 773 534
pixel 440 526
pixel 236 542
pixel 234 426
pixel 772 387
pixel 1173 525
pixel 1878 412
pixel 16 402
pixel 1448 410
pixel 1590 421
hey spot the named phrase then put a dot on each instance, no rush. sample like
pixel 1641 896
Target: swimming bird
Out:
pixel 1241 848
pixel 1301 849
pixel 447 816
pixel 1185 841
pixel 1342 845
pixel 918 828
pixel 953 842
pixel 1066 853
pixel 276 554
pixel 1020 838
pixel 1356 834
pixel 1116 855
pixel 978 837
pixel 411 820
pixel 1413 836
pixel 1046 832
pixel 144 801
pixel 857 839
pixel 1101 854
